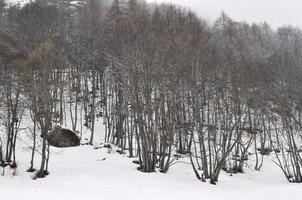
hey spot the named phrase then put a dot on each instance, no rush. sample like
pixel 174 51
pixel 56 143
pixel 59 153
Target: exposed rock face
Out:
pixel 62 137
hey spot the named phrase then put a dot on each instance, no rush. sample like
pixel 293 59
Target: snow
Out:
pixel 85 172
pixel 20 3
pixel 77 3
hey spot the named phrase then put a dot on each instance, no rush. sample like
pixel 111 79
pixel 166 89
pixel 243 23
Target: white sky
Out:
pixel 274 12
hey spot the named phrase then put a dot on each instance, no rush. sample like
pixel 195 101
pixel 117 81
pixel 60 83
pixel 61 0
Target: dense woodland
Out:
pixel 167 85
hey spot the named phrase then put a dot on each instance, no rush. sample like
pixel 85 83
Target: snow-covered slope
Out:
pixel 21 3
pixel 83 172
pixel 18 2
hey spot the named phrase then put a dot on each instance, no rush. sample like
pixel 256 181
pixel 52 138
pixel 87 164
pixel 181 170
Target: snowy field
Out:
pixel 86 173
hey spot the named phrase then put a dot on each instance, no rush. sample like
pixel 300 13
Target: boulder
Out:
pixel 62 137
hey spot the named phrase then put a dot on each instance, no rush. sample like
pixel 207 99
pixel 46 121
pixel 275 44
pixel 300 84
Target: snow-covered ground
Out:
pixel 83 172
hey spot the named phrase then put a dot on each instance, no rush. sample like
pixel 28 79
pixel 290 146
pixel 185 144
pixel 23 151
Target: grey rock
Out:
pixel 62 137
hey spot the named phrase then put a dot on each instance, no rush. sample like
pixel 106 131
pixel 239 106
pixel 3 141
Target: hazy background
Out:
pixel 274 12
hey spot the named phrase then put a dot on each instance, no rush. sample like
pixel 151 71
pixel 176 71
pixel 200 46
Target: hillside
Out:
pixel 123 99
pixel 83 172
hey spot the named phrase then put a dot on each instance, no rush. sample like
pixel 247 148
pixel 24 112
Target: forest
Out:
pixel 167 85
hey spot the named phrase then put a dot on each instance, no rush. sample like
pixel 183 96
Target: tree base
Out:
pixel 13 165
pixel 40 174
pixel 31 170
